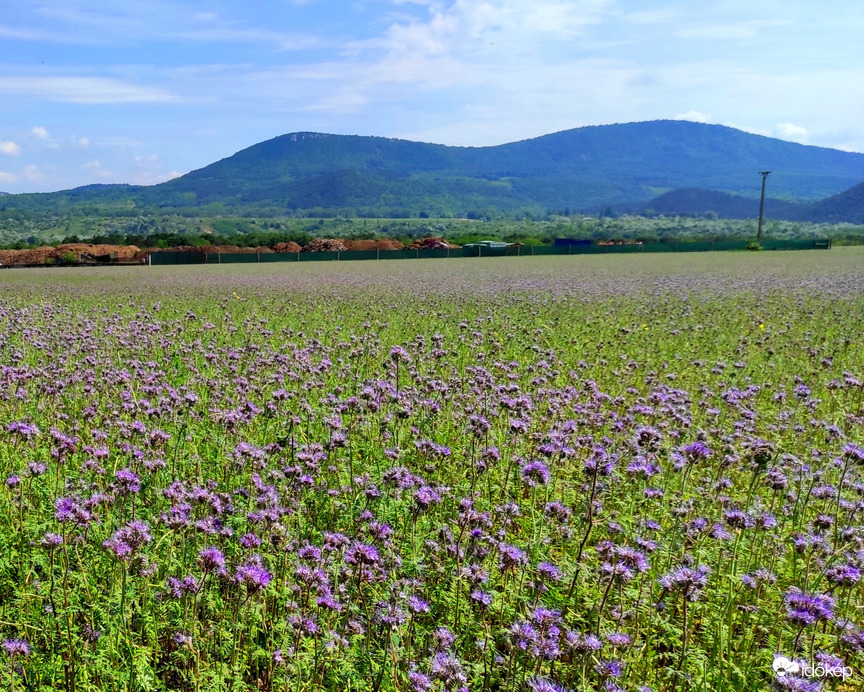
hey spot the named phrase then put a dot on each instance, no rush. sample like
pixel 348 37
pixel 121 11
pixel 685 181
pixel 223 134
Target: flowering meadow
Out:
pixel 555 474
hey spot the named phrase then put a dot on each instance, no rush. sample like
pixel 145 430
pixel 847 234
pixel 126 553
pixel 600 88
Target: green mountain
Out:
pixel 580 169
pixel 698 202
pixel 847 207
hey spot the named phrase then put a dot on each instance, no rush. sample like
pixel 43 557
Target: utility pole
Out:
pixel 764 175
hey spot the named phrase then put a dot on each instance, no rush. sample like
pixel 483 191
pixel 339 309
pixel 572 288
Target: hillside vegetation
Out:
pixel 585 169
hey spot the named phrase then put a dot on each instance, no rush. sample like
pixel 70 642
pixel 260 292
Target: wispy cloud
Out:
pixel 731 31
pixel 32 174
pixel 93 90
pixel 112 24
pixel 39 132
pixel 97 171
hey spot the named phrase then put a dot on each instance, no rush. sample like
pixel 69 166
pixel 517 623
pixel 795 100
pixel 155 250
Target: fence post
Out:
pixel 259 256
pixel 378 253
pixel 337 255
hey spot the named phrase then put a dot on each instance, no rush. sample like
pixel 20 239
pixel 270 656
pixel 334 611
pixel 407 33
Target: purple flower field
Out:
pixel 552 474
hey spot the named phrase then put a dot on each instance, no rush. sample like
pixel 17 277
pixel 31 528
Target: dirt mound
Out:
pixel 71 252
pixel 380 244
pixel 84 252
pixel 36 255
pixel 287 247
pixel 325 245
pixel 431 244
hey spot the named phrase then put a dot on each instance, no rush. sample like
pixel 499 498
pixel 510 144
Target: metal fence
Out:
pixel 168 257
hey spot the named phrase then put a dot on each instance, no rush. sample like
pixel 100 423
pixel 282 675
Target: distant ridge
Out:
pixel 848 206
pixel 630 164
pixel 696 202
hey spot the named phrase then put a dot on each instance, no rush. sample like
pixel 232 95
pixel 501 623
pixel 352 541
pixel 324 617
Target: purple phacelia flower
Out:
pixel 211 559
pixel 448 669
pixel 250 540
pixel 70 510
pixel 535 473
pixel 128 482
pixel 548 572
pixel 690 583
pixel 362 554
pixel 539 684
pixel 253 576
pixel 16 647
pixel 510 557
pixel 51 540
pixel 481 598
pixel 807 609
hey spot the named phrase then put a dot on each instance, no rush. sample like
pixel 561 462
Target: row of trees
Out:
pixel 172 230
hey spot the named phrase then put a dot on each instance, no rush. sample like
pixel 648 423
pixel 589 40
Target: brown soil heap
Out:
pixel 431 244
pixel 76 252
pixel 340 245
pixel 380 244
pixel 287 247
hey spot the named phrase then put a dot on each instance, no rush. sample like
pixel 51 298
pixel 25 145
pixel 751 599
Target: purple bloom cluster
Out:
pixel 807 609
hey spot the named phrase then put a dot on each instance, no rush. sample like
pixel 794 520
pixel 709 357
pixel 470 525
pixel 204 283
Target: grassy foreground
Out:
pixel 575 473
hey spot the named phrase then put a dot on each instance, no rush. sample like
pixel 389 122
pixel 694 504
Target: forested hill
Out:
pixel 578 169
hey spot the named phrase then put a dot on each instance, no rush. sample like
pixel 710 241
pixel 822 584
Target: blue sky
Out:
pixel 139 91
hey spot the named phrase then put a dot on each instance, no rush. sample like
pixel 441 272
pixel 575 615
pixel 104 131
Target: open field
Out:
pixel 564 473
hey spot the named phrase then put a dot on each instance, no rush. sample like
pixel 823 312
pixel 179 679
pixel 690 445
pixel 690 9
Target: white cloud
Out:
pixel 8 177
pixel 467 51
pixel 150 170
pixel 91 90
pixel 149 178
pixel 657 16
pixel 96 171
pixel 39 132
pixel 10 148
pixel 791 132
pixel 730 31
pixel 32 174
pixel 694 116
